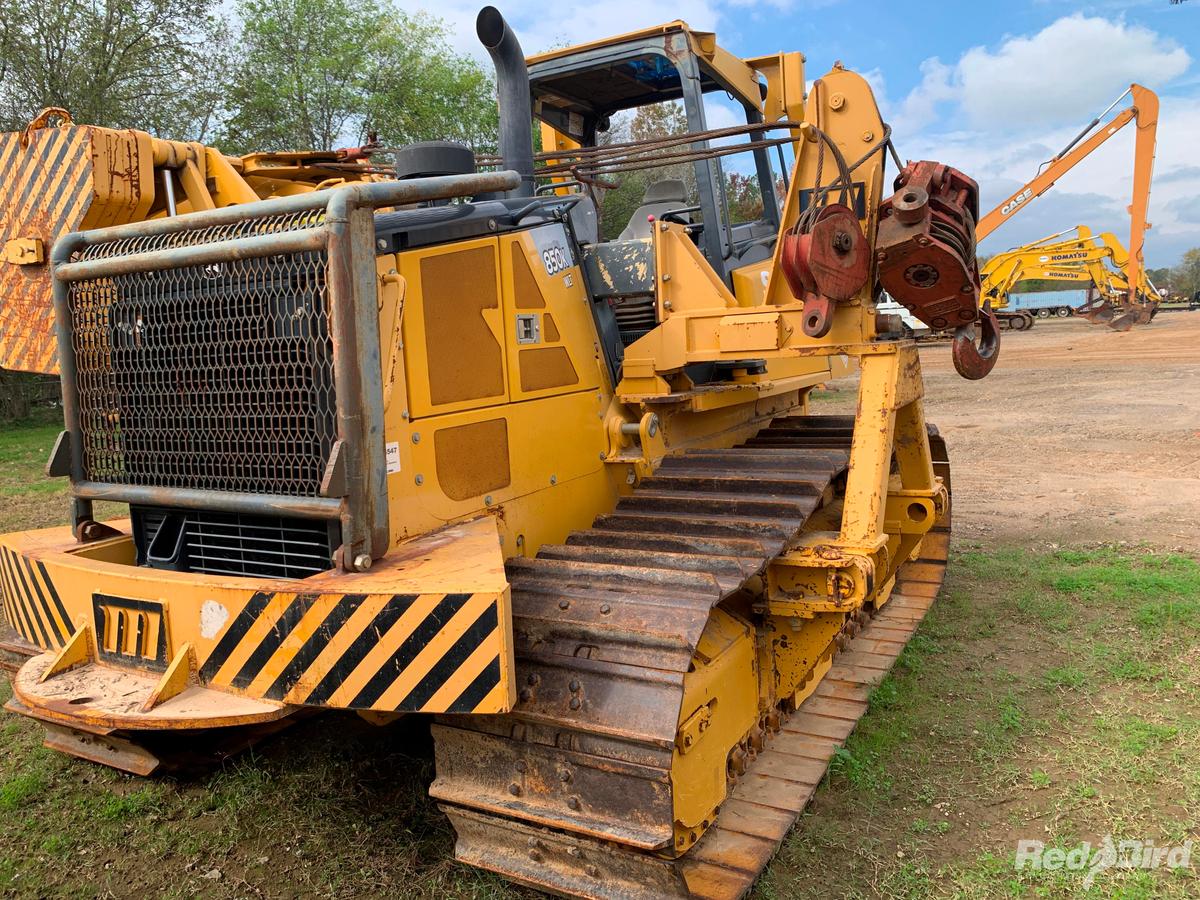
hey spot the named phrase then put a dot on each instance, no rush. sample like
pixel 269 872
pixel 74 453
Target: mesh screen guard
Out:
pixel 228 360
pixel 216 377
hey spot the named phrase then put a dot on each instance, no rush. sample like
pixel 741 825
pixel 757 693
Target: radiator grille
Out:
pixel 217 543
pixel 215 377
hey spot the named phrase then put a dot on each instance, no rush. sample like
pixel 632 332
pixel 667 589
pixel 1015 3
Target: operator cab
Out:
pixel 579 92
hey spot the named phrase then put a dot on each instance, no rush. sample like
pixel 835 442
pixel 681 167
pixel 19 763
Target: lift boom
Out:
pixel 1143 111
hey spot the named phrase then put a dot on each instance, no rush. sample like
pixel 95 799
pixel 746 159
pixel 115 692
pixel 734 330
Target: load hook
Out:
pixel 971 361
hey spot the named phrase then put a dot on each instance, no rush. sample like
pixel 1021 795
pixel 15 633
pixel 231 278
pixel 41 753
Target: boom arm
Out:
pixel 1143 112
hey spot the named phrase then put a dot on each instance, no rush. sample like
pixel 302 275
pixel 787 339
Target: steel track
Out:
pixel 570 793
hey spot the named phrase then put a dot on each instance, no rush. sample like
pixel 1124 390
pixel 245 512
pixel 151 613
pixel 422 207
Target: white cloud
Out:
pixel 1071 69
pixel 540 27
pixel 998 114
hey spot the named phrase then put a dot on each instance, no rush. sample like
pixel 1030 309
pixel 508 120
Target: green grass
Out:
pixel 28 498
pixel 1048 695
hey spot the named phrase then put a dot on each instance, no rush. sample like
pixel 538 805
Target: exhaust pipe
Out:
pixel 512 85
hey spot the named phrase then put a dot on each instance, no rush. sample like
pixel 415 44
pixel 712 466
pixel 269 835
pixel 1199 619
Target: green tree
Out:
pixel 1160 277
pixel 1185 277
pixel 149 64
pixel 654 121
pixel 313 74
pixel 743 198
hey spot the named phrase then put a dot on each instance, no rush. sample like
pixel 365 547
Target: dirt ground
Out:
pixel 1079 434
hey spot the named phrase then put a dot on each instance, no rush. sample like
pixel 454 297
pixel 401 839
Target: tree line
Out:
pixel 1182 279
pixel 276 75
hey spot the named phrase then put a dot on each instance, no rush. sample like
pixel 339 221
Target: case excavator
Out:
pixel 412 439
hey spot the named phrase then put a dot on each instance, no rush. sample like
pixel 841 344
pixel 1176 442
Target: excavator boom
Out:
pixel 1100 261
pixel 1143 112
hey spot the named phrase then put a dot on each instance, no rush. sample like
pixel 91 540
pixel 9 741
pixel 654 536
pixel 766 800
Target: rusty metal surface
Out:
pixel 513 811
pixel 14 650
pixel 100 696
pixel 605 627
pixel 973 361
pixel 45 192
pixel 826 263
pixel 926 244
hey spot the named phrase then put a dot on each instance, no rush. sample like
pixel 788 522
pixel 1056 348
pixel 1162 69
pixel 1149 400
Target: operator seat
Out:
pixel 661 197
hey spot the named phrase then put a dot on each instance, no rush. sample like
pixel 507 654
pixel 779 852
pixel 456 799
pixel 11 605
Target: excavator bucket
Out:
pixel 1097 311
pixel 1138 314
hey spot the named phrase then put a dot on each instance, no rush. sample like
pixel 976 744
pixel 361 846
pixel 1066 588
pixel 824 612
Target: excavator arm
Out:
pixel 1101 261
pixel 1143 112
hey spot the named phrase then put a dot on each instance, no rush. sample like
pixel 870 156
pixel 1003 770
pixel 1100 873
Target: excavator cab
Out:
pixel 578 93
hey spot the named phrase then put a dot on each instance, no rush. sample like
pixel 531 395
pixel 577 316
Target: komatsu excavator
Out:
pixel 413 439
pixel 1082 259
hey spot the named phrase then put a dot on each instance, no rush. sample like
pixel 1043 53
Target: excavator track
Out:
pixel 571 792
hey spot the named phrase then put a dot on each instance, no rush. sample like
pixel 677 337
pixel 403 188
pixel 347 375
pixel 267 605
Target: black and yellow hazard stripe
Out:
pixel 392 652
pixel 45 192
pixel 32 605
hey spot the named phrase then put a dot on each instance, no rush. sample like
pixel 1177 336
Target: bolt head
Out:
pixel 575 704
pixel 564 604
pixel 514 789
pixel 416 437
pixel 574 685
pixel 362 562
pixel 573 802
pixel 419 480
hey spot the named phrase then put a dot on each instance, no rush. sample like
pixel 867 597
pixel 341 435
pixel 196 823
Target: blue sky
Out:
pixel 993 88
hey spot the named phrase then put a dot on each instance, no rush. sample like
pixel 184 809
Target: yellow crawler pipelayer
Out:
pixel 463 415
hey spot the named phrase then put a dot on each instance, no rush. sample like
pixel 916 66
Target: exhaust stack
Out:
pixel 512 85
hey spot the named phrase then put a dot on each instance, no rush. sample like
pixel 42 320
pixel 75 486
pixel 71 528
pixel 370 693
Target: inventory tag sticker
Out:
pixel 392 451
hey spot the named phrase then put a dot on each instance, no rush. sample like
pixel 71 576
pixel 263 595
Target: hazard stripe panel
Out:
pixel 46 189
pixel 385 652
pixel 31 602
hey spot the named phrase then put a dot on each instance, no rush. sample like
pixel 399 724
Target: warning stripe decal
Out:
pixel 400 652
pixel 32 604
pixel 45 192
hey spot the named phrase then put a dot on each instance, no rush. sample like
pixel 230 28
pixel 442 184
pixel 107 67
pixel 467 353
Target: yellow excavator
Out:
pixel 1142 112
pixel 412 439
pixel 1097 263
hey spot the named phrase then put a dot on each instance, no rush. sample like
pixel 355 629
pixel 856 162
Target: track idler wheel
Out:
pixel 975 361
